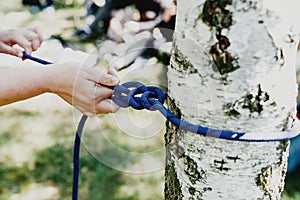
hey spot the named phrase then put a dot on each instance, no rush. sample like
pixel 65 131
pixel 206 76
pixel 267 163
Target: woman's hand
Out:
pixel 28 39
pixel 81 87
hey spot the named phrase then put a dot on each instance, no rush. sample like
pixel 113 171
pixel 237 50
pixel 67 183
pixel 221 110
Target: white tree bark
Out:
pixel 232 68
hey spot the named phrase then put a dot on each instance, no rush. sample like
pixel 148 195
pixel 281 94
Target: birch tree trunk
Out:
pixel 232 68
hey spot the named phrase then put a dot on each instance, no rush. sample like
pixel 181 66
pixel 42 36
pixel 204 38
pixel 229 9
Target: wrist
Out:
pixel 60 79
pixel 52 79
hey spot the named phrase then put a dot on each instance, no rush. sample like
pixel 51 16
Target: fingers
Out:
pixel 100 102
pixel 91 109
pixel 10 50
pixel 28 39
pixel 91 102
pixel 103 107
pixel 23 42
pixel 100 76
pixel 39 33
pixel 113 72
pixel 102 92
pixel 34 38
pixel 109 80
pixel 107 106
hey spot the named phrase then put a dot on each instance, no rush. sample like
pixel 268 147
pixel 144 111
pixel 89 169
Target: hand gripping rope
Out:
pixel 152 98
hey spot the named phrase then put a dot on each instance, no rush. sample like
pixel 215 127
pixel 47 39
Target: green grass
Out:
pixel 54 166
pixel 97 181
pixel 292 186
pixel 12 178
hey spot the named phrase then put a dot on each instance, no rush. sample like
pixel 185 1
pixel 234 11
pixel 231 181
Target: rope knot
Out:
pixel 139 97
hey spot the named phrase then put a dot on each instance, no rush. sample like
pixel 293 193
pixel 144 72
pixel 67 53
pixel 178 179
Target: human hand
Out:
pixel 81 87
pixel 28 39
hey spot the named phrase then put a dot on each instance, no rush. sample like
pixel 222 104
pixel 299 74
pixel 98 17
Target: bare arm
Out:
pixel 19 83
pixel 74 84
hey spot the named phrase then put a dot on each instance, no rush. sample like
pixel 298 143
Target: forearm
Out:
pixel 75 84
pixel 22 83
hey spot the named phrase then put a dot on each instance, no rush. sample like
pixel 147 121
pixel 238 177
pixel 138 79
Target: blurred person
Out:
pixel 148 10
pixel 128 38
pixel 17 84
pixel 132 30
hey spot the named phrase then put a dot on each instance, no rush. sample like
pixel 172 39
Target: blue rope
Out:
pixel 76 152
pixel 152 98
pixel 27 56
